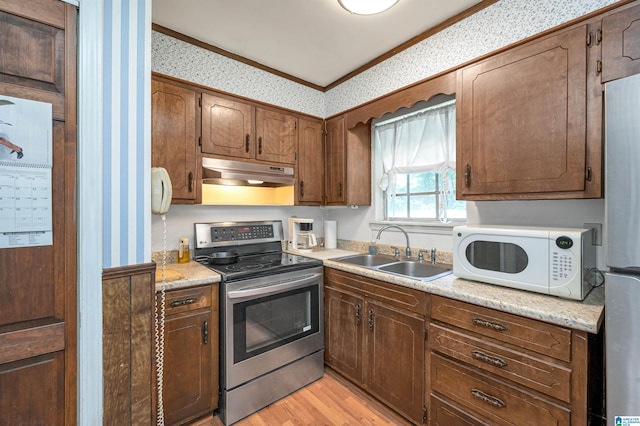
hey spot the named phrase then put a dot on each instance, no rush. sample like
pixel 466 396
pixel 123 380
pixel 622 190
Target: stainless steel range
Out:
pixel 271 315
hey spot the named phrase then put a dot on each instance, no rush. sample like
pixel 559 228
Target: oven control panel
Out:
pixel 234 233
pixel 244 232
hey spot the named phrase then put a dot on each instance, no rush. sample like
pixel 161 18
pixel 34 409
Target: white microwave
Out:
pixel 555 261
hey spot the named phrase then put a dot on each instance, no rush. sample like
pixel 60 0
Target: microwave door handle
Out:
pixel 274 288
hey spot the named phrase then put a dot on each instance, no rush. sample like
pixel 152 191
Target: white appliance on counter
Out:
pixel 301 236
pixel 622 219
pixel 555 261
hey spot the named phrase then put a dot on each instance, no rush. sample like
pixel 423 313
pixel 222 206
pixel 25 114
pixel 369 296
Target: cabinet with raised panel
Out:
pixel 310 175
pixel 347 163
pixel 529 120
pixel 375 337
pixel 235 128
pixel 174 133
pixel 620 46
pixel 190 385
pixel 488 367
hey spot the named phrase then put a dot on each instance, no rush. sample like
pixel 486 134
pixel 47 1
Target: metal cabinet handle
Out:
pixel 370 319
pixel 481 356
pixel 260 145
pixel 467 175
pixel 205 332
pixel 358 315
pixel 190 181
pixel 301 188
pixel 488 324
pixel 340 189
pixel 489 399
pixel 246 143
pixel 181 302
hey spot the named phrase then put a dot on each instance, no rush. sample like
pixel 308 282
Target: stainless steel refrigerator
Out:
pixel 622 217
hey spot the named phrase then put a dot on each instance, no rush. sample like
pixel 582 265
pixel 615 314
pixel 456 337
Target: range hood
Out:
pixel 240 173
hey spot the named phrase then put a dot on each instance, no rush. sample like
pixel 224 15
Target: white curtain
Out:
pixel 424 141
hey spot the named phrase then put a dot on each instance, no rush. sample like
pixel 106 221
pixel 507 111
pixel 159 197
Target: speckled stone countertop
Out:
pixel 182 275
pixel 586 315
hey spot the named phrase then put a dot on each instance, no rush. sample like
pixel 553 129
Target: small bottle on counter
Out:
pixel 183 250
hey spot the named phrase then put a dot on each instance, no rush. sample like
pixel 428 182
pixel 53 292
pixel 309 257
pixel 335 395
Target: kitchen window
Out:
pixel 415 160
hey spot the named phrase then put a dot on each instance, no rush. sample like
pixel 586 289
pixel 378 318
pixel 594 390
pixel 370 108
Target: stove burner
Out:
pixel 246 267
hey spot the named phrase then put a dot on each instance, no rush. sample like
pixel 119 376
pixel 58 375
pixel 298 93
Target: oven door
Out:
pixel 270 322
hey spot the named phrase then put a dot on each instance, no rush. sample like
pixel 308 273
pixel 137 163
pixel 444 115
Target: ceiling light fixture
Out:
pixel 367 7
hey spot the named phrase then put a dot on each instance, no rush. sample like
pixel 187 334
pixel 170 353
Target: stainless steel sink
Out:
pixel 368 260
pixel 393 265
pixel 417 270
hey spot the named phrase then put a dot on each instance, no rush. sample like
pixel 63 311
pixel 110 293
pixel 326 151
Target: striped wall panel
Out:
pixel 127 138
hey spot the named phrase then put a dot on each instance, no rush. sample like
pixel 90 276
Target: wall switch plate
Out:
pixel 597 232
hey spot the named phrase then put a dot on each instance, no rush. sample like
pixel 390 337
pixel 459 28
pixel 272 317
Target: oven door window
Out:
pixel 266 323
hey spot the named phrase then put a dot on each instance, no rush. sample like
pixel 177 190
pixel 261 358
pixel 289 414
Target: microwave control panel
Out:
pixel 563 265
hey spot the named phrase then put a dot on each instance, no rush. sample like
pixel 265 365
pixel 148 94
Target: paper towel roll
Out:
pixel 330 234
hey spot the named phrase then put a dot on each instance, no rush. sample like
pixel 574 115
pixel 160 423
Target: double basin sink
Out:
pixel 423 271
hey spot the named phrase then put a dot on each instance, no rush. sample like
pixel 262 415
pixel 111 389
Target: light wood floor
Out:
pixel 328 401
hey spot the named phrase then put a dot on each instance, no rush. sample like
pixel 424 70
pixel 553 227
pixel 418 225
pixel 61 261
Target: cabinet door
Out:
pixel 335 171
pixel 344 316
pixel 310 163
pixel 33 391
pixel 620 47
pixel 395 343
pixel 227 127
pixel 187 366
pixel 277 135
pixel 522 119
pixel 173 136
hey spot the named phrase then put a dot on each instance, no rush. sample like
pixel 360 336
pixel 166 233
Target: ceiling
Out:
pixel 316 41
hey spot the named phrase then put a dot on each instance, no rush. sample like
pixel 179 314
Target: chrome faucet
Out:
pixel 408 249
pixel 433 256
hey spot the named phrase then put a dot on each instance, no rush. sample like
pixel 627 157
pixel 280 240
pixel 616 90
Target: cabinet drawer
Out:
pixel 493 400
pixel 445 414
pixel 187 299
pixel 522 332
pixel 533 372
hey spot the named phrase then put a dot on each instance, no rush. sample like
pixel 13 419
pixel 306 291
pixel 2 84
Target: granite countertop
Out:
pixel 182 275
pixel 586 315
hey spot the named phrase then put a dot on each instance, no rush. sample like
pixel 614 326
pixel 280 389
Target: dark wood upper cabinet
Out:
pixel 310 176
pixel 523 129
pixel 277 136
pixel 347 185
pixel 335 166
pixel 173 136
pixel 227 127
pixel 620 44
pixel 233 128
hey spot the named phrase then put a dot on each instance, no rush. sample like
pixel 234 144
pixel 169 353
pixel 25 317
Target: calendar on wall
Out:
pixel 26 161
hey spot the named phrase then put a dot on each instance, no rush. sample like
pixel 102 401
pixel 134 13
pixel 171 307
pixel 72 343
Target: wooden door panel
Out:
pixel 32 391
pixel 174 136
pixel 395 358
pixel 344 317
pixel 620 47
pixel 227 127
pixel 310 163
pixel 187 366
pixel 22 40
pixel 38 284
pixel 277 135
pixel 335 156
pixel 522 119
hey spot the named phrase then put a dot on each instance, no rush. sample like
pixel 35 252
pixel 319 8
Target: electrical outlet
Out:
pixel 597 232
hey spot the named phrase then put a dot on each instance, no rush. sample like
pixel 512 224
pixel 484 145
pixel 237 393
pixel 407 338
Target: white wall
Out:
pixel 180 220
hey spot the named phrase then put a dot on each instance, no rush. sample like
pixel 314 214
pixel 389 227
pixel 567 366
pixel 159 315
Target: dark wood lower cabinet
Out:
pixel 190 385
pixel 375 337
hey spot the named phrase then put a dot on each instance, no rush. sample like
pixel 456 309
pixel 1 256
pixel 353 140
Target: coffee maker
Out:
pixel 301 236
